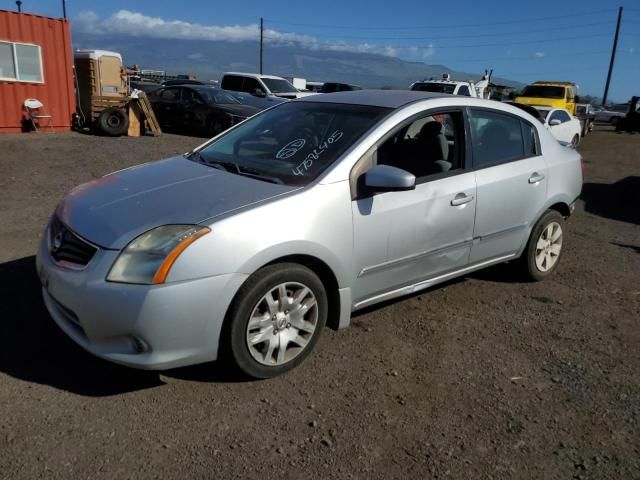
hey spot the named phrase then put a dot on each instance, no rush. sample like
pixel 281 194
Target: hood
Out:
pixel 113 210
pixel 240 110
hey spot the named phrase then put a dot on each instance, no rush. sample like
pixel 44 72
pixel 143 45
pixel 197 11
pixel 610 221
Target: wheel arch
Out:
pixel 327 277
pixel 560 205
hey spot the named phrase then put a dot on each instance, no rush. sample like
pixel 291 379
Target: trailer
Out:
pixel 101 85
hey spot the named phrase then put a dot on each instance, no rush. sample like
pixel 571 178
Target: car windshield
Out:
pixel 292 143
pixel 543 91
pixel 279 85
pixel 434 87
pixel 216 96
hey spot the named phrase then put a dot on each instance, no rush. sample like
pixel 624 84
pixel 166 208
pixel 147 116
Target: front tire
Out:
pixel 275 320
pixel 545 245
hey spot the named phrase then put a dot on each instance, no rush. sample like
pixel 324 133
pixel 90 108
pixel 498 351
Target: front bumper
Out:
pixel 143 326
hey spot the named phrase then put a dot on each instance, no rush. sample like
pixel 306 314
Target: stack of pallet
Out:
pixel 141 116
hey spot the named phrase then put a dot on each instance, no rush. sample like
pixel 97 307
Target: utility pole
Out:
pixel 19 4
pixel 613 57
pixel 261 41
pixel 64 9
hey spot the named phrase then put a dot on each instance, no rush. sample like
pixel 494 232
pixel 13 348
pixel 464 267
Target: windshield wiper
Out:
pixel 235 168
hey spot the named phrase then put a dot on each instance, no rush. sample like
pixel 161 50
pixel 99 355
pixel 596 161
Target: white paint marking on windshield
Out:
pixel 290 149
pixel 306 164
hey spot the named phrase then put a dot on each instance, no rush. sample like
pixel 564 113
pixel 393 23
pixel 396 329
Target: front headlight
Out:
pixel 148 259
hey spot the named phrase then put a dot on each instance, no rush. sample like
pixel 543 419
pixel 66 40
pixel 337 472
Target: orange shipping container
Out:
pixel 35 62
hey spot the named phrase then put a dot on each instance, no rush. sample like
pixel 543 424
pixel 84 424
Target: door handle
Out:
pixel 461 199
pixel 536 177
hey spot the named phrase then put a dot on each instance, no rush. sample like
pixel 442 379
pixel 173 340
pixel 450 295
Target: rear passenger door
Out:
pixel 511 177
pixel 166 106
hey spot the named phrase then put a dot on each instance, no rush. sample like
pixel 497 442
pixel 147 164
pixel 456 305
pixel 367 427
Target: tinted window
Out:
pixel 294 142
pixel 189 95
pixel 232 82
pixel 543 91
pixel 434 87
pixel 496 137
pixel 212 96
pixel 168 94
pixel 430 145
pixel 250 85
pixel 464 90
pixel 529 136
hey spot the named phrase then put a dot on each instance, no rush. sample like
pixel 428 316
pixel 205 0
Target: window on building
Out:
pixel 20 62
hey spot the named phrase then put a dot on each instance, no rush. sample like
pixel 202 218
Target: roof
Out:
pixel 95 54
pixel 374 98
pixel 254 75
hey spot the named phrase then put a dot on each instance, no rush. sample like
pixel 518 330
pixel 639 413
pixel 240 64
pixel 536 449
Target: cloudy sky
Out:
pixel 569 40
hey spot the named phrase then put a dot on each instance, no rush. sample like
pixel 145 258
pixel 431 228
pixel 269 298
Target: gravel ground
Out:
pixel 484 377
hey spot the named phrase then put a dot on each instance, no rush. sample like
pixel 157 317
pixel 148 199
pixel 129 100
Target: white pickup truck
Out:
pixel 446 85
pixel 260 85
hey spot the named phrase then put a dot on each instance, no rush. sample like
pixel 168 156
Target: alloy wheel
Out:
pixel 282 323
pixel 548 247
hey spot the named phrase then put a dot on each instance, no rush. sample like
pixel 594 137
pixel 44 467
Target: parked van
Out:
pixel 551 94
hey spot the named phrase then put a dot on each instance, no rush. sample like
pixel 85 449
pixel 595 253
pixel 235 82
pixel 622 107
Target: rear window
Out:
pixel 434 87
pixel 543 91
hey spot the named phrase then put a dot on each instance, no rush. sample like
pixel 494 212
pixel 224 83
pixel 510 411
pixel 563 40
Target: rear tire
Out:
pixel 275 320
pixel 113 121
pixel 545 246
pixel 614 121
pixel 575 141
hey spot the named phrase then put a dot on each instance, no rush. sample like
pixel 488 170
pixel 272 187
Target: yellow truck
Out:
pixel 552 94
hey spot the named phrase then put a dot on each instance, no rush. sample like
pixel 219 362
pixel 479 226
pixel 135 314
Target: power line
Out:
pixel 457 25
pixel 449 37
pixel 501 44
pixel 528 57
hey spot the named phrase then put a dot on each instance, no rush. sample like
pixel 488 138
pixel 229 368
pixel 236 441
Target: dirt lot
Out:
pixel 485 377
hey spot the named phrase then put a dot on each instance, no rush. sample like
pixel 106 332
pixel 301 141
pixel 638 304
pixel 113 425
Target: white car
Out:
pixel 260 85
pixel 562 125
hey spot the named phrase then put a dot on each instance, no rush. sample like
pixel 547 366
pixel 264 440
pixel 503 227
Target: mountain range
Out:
pixel 208 59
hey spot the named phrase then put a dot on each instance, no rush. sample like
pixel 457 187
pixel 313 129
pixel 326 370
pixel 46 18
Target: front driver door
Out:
pixel 402 238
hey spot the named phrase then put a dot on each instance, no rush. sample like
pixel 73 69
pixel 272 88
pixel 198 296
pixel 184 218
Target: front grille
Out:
pixel 66 246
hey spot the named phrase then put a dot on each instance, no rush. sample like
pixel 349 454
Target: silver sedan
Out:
pixel 246 247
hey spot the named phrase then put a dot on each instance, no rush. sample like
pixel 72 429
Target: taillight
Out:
pixel 582 167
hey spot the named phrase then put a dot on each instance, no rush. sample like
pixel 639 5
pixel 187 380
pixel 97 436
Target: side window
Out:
pixel 189 96
pixel 464 90
pixel 250 85
pixel 564 116
pixel 232 82
pixel 530 138
pixel 496 137
pixel 168 94
pixel 426 146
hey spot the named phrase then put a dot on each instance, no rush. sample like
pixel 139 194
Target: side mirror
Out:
pixel 258 92
pixel 577 99
pixel 385 178
pixel 555 122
